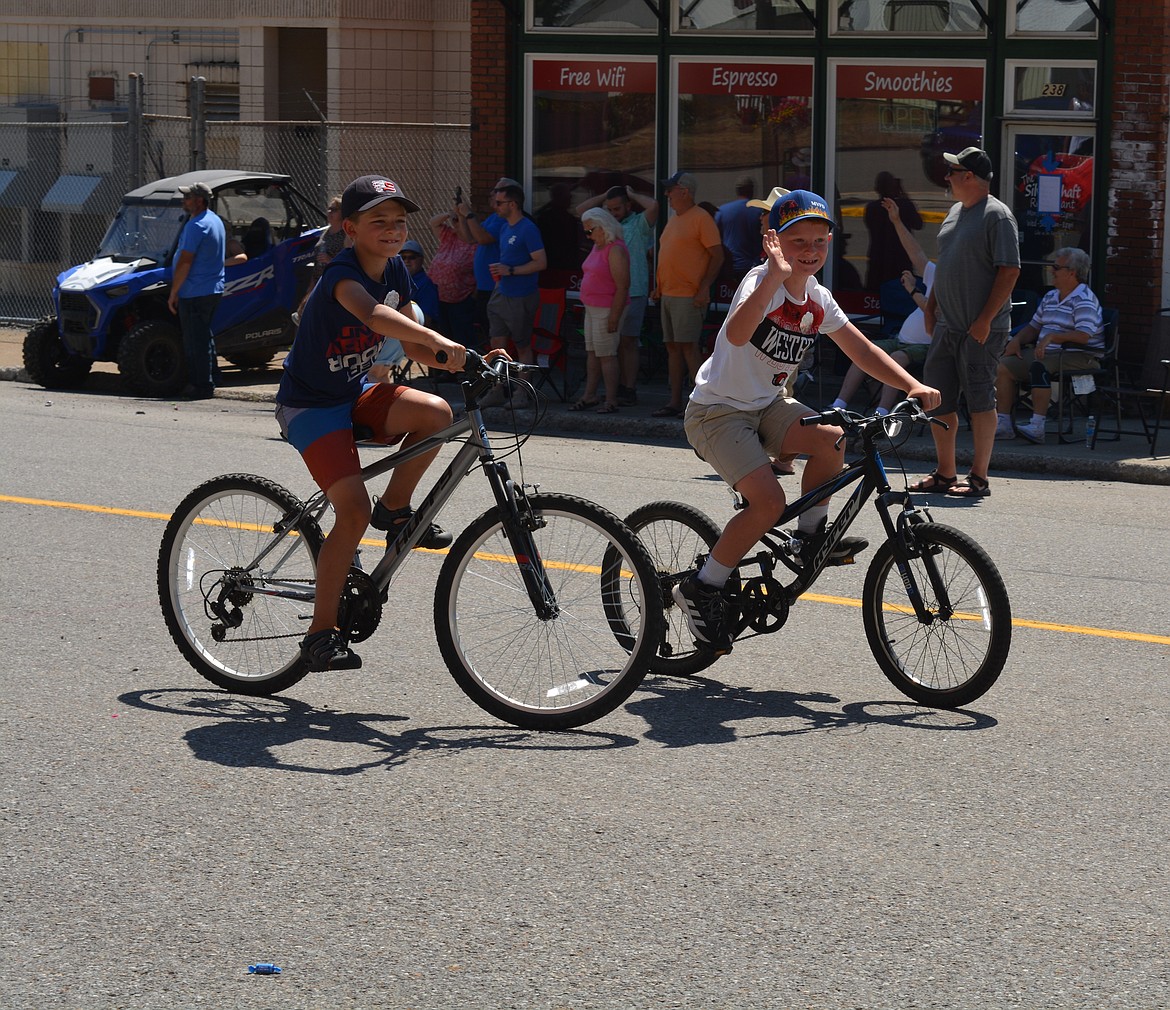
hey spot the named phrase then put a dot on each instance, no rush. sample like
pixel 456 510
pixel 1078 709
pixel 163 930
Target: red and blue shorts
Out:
pixel 324 435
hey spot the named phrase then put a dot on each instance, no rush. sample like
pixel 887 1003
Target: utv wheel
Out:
pixel 151 359
pixel 46 361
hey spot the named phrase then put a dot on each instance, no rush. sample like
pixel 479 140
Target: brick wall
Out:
pixel 492 64
pixel 1137 168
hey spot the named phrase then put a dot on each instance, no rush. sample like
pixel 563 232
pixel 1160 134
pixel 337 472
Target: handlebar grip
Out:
pixel 441 357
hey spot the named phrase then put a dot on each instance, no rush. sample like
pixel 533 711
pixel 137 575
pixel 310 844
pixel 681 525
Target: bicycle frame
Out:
pixel 869 473
pixel 508 495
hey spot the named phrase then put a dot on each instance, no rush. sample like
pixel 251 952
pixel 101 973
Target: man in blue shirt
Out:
pixel 487 251
pixel 739 227
pixel 197 286
pixel 513 305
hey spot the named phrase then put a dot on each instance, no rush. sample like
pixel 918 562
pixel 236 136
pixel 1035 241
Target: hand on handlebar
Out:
pixel 927 396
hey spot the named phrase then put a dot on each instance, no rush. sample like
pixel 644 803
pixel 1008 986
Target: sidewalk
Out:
pixel 1126 460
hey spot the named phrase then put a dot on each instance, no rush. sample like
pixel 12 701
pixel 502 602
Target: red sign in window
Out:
pixel 729 78
pixel 594 75
pixel 938 83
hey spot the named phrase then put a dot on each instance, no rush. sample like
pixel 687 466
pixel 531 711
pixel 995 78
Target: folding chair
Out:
pixel 1066 386
pixel 1142 396
pixel 547 343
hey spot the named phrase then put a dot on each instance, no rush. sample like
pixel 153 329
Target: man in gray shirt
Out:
pixel 969 313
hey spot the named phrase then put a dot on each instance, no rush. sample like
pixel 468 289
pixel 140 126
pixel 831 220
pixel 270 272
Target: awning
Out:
pixel 12 187
pixel 70 193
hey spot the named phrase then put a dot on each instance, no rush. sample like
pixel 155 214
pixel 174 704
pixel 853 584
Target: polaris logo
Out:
pixel 251 282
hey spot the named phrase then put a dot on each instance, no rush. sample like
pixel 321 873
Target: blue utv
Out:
pixel 114 308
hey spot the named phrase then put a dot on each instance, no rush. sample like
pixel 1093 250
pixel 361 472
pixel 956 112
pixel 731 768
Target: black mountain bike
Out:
pixel 547 609
pixel 935 608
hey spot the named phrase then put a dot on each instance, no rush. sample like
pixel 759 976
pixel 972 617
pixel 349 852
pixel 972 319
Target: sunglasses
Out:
pixel 957 171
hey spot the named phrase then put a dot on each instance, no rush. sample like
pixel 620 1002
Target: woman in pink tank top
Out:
pixel 605 293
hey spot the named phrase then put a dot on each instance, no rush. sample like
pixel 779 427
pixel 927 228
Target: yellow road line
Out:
pixel 841 601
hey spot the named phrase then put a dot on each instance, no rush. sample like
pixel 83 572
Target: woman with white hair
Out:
pixel 605 293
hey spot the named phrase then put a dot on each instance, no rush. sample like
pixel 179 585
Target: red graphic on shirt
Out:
pixel 353 351
pixel 785 335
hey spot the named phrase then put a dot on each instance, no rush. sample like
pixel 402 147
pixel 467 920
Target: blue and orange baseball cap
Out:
pixel 799 205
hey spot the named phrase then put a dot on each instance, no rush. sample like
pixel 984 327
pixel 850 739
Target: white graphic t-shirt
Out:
pixel 752 376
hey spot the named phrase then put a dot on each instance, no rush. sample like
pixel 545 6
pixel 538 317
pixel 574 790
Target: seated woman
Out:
pixel 1067 320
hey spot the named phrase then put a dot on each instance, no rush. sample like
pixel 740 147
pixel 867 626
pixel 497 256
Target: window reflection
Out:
pixel 908 17
pixel 1054 17
pixel 595 15
pixel 744 16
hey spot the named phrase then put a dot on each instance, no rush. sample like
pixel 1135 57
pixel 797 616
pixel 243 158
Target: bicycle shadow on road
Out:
pixel 243 732
pixel 695 711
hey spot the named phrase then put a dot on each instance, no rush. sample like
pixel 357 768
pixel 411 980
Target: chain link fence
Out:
pixel 60 182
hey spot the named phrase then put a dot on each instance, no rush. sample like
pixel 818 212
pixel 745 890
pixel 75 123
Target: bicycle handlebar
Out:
pixel 910 409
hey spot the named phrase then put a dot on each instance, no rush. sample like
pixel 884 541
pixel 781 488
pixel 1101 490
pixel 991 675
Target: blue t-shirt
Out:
pixel 517 244
pixel 486 255
pixel 426 295
pixel 333 350
pixel 204 238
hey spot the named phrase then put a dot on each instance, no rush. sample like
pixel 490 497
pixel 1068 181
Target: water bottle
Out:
pixel 1090 430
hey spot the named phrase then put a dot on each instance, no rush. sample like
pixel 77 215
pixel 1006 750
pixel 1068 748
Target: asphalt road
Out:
pixel 785 831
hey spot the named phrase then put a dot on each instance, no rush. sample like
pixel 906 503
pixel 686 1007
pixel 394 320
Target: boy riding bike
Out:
pixel 738 417
pixel 363 297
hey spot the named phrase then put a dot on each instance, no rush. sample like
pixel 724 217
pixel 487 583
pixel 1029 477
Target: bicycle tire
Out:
pixel 954 660
pixel 222 526
pixel 675 534
pixel 567 670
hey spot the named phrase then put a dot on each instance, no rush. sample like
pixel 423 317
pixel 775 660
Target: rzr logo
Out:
pixel 251 282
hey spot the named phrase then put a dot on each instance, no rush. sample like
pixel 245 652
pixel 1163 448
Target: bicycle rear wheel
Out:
pixel 960 653
pixel 675 535
pixel 568 668
pixel 208 559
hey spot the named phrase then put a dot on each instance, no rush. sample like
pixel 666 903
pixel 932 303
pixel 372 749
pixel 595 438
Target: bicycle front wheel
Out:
pixel 238 616
pixel 955 656
pixel 565 667
pixel 676 535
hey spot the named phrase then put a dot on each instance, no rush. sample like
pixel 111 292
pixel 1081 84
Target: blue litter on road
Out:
pixel 263 969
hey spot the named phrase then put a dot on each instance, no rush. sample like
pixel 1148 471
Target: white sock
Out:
pixel 810 519
pixel 1005 420
pixel 713 573
pixel 839 404
pixel 1038 419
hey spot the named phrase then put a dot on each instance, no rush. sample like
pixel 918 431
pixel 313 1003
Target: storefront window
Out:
pixel 1051 90
pixel 1051 17
pixel 592 16
pixel 725 16
pixel 592 127
pixel 1051 193
pixel 908 17
pixel 743 120
pixel 892 125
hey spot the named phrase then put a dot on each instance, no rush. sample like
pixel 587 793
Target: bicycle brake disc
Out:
pixel 360 612
pixel 764 604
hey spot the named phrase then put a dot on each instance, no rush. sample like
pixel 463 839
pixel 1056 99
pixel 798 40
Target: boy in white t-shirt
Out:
pixel 738 416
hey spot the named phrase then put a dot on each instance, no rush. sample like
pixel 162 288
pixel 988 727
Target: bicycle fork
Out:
pixel 907 547
pixel 520 522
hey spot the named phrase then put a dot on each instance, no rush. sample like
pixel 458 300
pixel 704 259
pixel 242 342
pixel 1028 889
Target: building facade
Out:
pixel 856 99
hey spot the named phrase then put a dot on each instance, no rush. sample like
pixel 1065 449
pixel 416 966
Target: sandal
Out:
pixel 607 408
pixel 667 411
pixel 326 650
pixel 971 486
pixel 583 405
pixel 934 483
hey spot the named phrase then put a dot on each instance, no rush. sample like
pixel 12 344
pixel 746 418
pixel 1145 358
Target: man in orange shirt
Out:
pixel 690 254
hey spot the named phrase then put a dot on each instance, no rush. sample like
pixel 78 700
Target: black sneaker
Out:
pixel 804 546
pixel 326 650
pixel 705 609
pixel 434 537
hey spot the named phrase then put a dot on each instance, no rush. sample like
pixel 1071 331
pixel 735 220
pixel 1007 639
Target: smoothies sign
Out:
pixel 943 84
pixel 608 76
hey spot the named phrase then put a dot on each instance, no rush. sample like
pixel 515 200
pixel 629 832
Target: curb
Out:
pixel 670 431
